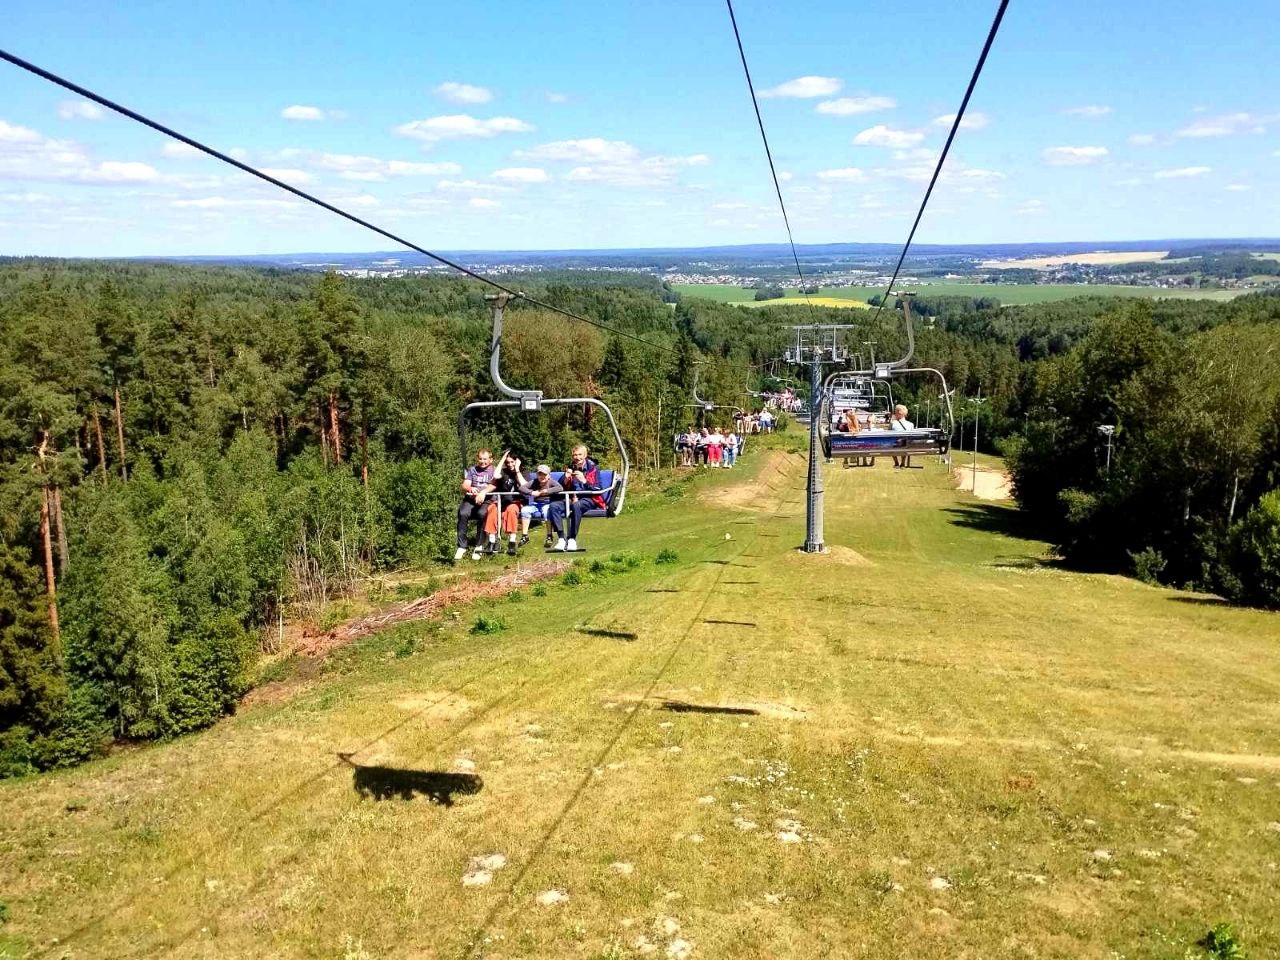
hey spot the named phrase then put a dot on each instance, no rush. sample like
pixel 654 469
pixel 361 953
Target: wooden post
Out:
pixel 102 447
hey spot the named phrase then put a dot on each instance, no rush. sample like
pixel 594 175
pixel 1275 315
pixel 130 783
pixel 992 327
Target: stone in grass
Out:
pixel 488 861
pixel 1274 826
pixel 1102 856
pixel 704 801
pixel 679 949
pixel 551 898
pixel 795 826
pixel 742 823
pixel 463 765
pixel 939 883
pixel 643 945
pixel 477 878
pixel 621 868
pixel 788 836
pixel 669 926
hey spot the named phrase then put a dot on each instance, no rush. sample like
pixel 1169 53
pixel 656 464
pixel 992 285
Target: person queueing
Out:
pixel 901 423
pixel 507 502
pixel 477 482
pixel 715 447
pixel 583 474
pixel 540 493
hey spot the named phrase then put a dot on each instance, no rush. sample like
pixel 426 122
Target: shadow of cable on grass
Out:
pixel 394 783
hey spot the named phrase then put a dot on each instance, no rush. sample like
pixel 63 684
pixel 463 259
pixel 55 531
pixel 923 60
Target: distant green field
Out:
pixel 1011 294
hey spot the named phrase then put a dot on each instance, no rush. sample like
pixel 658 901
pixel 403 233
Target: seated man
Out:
pixel 582 474
pixel 477 481
pixel 540 493
pixel 900 422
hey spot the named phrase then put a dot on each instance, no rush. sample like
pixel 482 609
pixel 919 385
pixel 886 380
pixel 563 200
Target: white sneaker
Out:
pixel 571 545
pixel 476 554
pixel 460 553
pixel 559 545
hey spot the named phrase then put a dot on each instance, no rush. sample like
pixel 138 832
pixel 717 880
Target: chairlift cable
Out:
pixel 942 158
pixel 777 187
pixel 310 198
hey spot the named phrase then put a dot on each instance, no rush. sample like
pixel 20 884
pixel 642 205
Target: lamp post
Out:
pixel 1108 430
pixel 977 402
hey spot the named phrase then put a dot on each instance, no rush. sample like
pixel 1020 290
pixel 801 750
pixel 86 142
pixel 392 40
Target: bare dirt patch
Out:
pixel 836 554
pixel 990 484
pixel 1097 259
pixel 753 494
pixel 424 608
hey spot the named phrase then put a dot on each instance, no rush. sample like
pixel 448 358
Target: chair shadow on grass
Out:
pixel 626 635
pixel 682 706
pixel 393 783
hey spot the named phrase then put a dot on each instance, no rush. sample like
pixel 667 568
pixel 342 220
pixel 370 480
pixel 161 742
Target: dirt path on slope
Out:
pixel 991 484
pixel 754 494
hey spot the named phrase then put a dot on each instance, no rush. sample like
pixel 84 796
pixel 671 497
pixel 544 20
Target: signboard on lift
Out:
pixel 883 371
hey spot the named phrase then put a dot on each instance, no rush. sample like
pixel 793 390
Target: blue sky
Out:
pixel 583 124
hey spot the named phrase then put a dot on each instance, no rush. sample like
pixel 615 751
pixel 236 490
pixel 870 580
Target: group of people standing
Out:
pixel 708 447
pixel 762 422
pixel 502 497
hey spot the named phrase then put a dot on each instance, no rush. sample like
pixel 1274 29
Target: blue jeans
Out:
pixel 556 516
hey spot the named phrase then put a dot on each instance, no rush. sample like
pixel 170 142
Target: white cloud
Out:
pixel 521 175
pixel 730 205
pixel 460 127
pixel 844 175
pixel 973 120
pixel 463 92
pixel 1141 139
pixel 26 154
pixel 1089 111
pixel 785 175
pixel 12 133
pixel 218 203
pixel 472 186
pixel 850 106
pixel 1181 172
pixel 653 171
pixel 299 112
pixel 977 173
pixel 1130 182
pixel 591 150
pixel 350 166
pixel 1238 187
pixel 289 175
pixel 557 98
pixel 483 203
pixel 80 110
pixel 1030 207
pixel 1074 156
pixel 805 87
pixel 1226 125
pixel 176 150
pixel 882 136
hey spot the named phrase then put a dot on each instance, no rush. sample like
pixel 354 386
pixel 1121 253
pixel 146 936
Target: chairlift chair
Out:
pixel 861 449
pixel 613 483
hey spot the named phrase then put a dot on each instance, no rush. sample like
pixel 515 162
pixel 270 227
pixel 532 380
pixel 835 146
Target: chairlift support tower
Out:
pixel 816 345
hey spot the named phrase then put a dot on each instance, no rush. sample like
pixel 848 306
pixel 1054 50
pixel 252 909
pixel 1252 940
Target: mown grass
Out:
pixel 947 748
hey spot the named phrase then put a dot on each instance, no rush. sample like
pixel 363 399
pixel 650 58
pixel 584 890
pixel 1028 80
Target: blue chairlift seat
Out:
pixel 606 490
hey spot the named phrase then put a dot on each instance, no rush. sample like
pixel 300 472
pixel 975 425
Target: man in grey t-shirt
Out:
pixel 477 481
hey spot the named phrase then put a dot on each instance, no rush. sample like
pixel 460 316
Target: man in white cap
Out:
pixel 539 493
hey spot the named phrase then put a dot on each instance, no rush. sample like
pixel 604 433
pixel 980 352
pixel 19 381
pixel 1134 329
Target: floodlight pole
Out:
pixel 977 403
pixel 1108 430
pixel 810 349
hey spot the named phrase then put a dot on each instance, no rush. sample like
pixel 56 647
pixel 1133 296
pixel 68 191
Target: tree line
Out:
pixel 191 455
